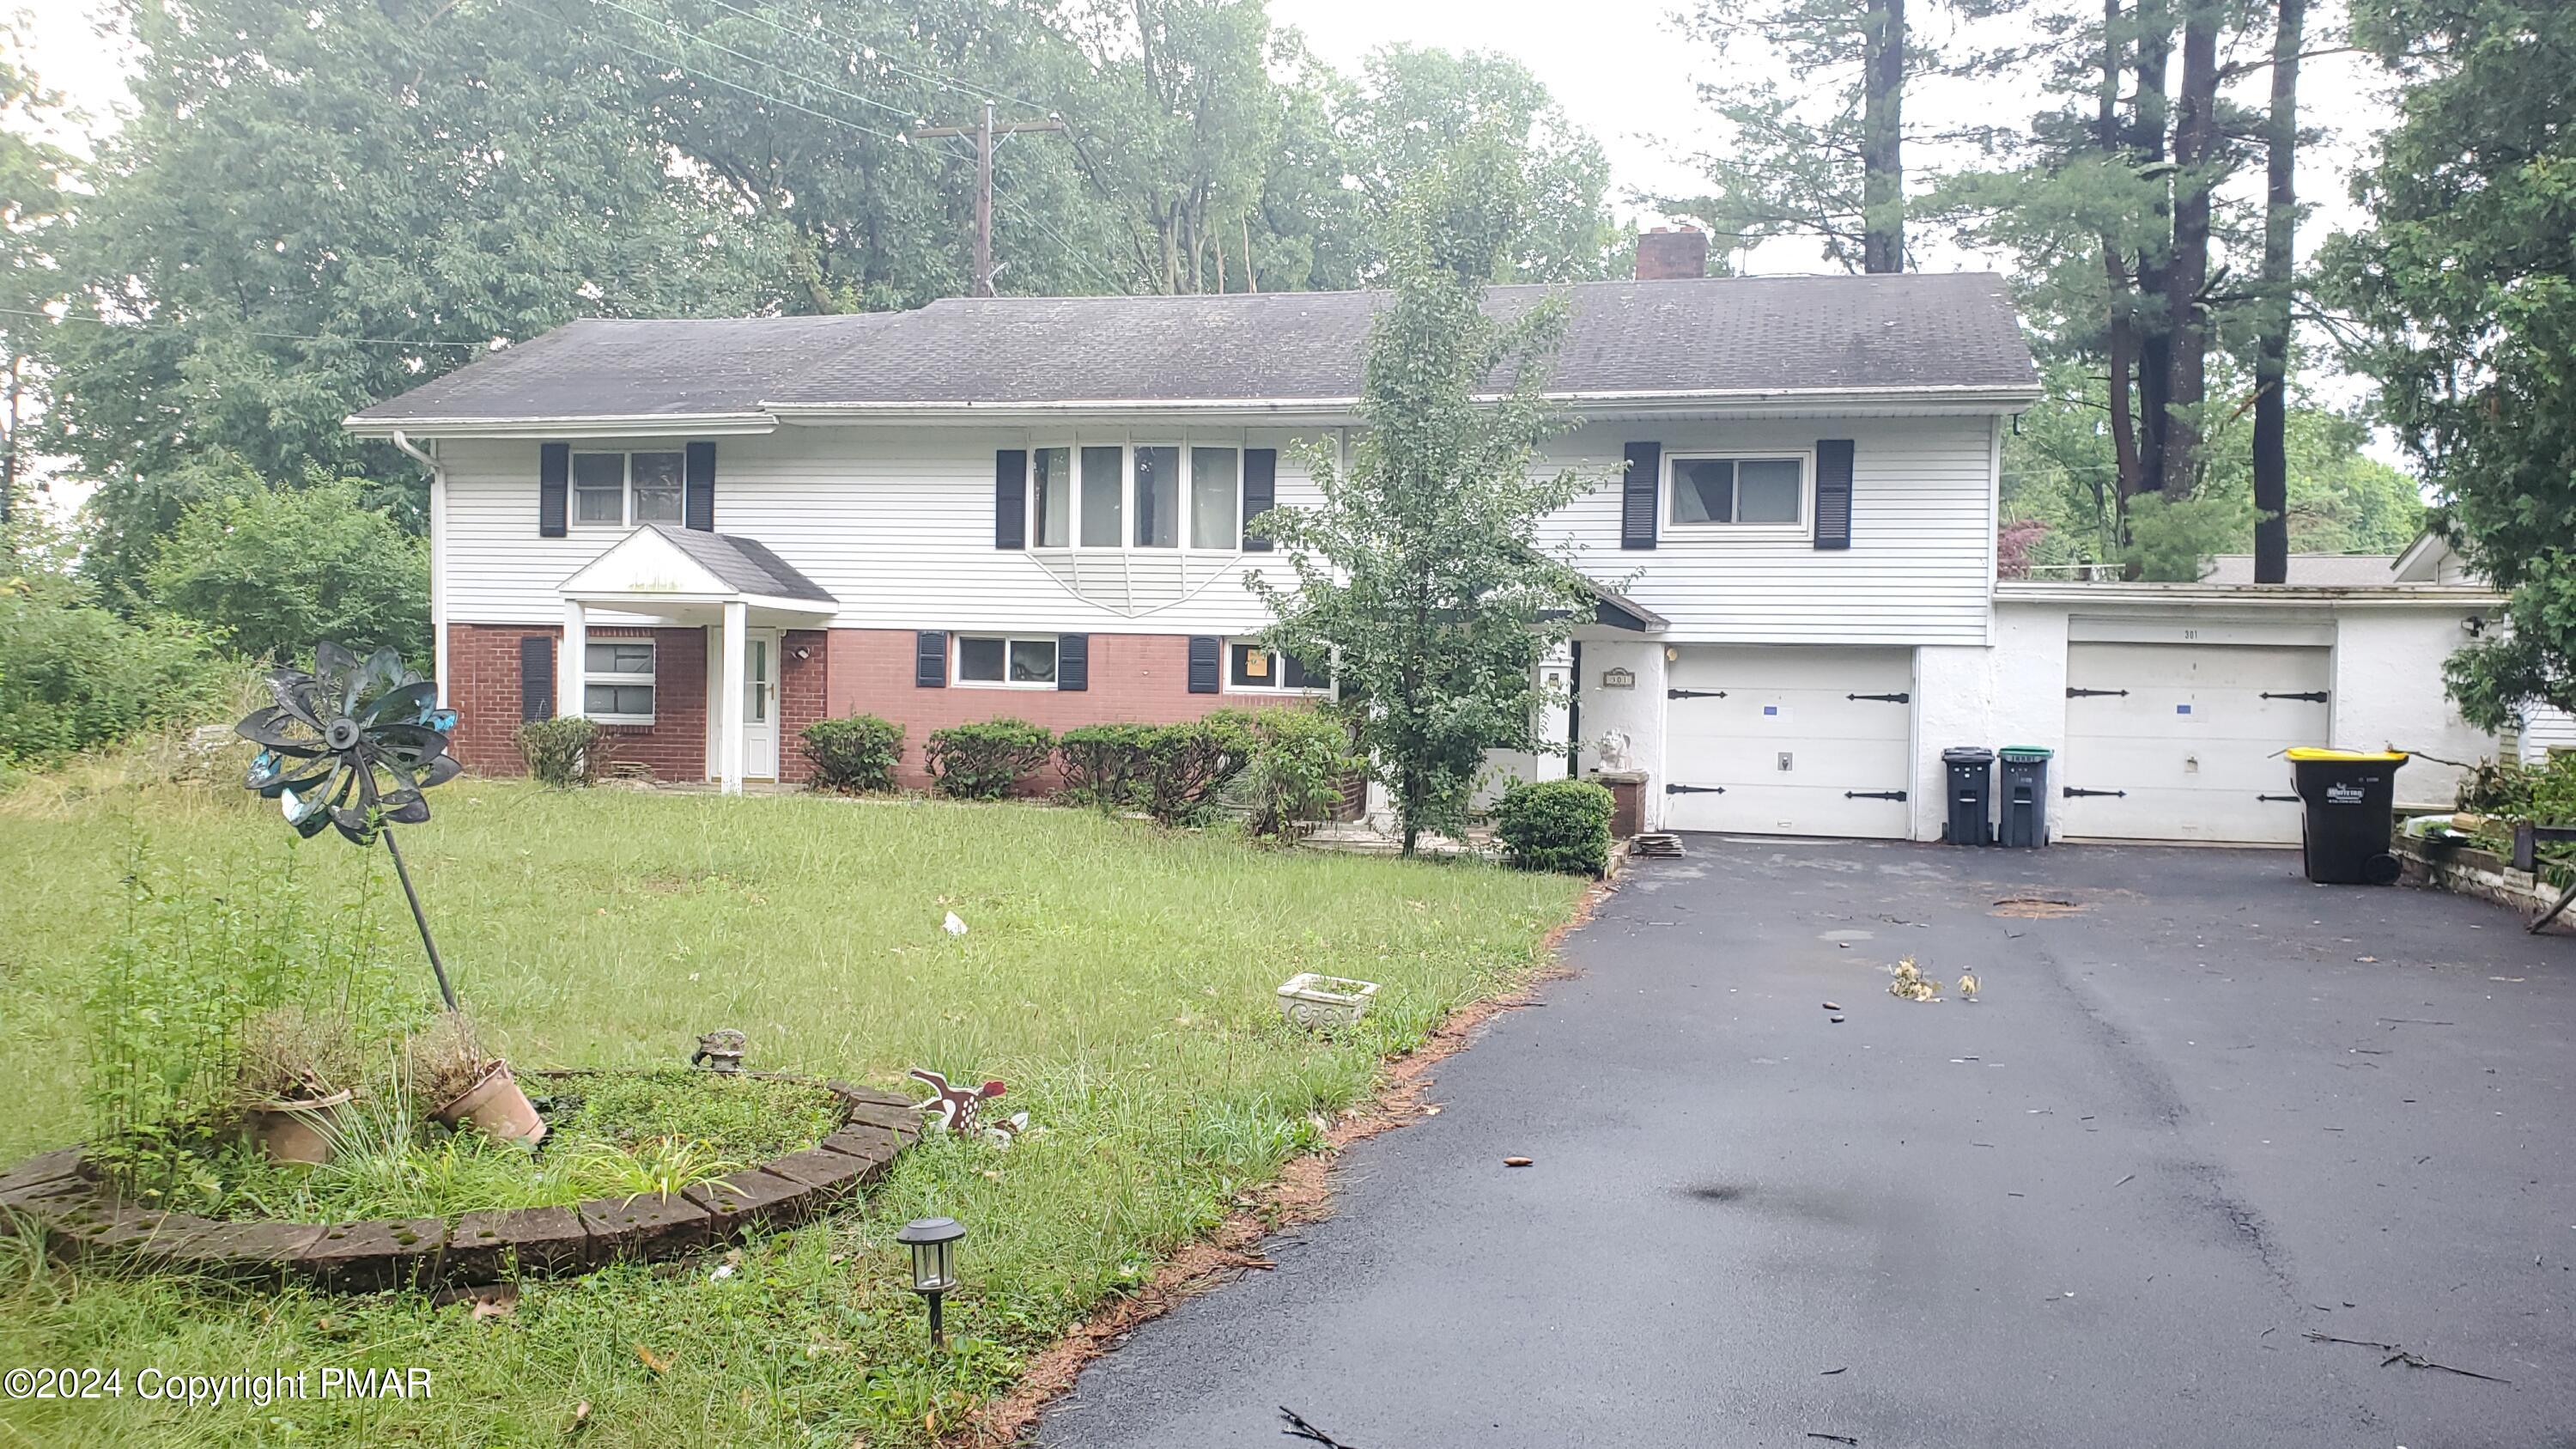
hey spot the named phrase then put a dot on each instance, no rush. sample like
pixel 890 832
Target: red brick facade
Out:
pixel 1134 677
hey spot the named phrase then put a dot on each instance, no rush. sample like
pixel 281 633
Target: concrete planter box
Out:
pixel 1313 1000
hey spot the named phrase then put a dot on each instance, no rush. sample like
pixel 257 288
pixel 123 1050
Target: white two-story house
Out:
pixel 708 534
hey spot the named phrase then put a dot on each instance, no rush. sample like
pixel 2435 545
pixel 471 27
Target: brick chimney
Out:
pixel 1664 254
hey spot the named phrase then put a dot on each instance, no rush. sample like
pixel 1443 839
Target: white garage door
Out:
pixel 1789 741
pixel 2181 741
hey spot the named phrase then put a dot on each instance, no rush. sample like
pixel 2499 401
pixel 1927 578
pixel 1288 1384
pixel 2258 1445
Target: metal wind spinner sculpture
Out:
pixel 332 732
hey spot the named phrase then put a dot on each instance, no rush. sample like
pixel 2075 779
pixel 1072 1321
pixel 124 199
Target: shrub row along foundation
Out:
pixel 61 1196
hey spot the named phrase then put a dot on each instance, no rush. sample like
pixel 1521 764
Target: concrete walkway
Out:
pixel 2201 1112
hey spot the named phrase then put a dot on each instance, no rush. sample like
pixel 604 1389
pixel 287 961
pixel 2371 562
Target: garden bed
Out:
pixel 2464 869
pixel 855 1139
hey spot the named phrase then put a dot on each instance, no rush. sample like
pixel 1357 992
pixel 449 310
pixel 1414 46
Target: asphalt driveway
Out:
pixel 2200 1113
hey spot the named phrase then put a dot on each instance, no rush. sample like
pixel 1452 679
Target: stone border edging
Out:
pixel 61 1195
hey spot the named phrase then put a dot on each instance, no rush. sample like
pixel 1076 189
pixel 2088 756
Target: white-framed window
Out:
pixel 1751 492
pixel 1003 662
pixel 617 680
pixel 615 490
pixel 1140 495
pixel 1251 668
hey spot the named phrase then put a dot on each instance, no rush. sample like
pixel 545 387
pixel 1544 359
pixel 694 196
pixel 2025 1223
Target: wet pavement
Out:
pixel 2199 1111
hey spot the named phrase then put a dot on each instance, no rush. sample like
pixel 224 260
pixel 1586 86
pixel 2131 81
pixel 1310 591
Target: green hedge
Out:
pixel 1299 759
pixel 1186 764
pixel 567 752
pixel 983 761
pixel 1103 763
pixel 853 755
pixel 1559 825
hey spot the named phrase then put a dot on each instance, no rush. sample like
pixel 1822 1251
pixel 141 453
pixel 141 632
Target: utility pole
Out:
pixel 984 134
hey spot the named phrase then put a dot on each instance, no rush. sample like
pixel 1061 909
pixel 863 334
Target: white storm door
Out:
pixel 760 704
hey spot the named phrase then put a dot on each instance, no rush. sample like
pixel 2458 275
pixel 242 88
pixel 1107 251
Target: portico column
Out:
pixel 737 618
pixel 571 669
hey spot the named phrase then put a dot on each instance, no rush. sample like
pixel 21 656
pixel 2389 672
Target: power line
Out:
pixel 700 37
pixel 869 52
pixel 686 69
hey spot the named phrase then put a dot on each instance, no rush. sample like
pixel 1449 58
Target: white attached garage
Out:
pixel 2181 740
pixel 1779 740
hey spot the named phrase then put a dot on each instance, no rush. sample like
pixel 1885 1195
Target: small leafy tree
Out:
pixel 1421 574
pixel 283 568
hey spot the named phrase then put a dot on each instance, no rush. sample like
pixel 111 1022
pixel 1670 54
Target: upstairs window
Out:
pixel 1216 486
pixel 614 490
pixel 1101 487
pixel 1051 497
pixel 617 681
pixel 1158 497
pixel 1738 491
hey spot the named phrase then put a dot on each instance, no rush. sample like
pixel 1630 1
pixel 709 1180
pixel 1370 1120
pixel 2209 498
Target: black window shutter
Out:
pixel 1010 498
pixel 1205 650
pixel 554 488
pixel 1637 495
pixel 1833 492
pixel 536 676
pixel 1260 495
pixel 930 659
pixel 698 509
pixel 1073 661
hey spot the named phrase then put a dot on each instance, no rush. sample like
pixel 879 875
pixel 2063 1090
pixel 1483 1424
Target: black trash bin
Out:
pixel 2351 802
pixel 1971 771
pixel 2025 796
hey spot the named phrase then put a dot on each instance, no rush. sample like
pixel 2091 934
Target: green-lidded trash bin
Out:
pixel 2025 795
pixel 1970 774
pixel 2351 807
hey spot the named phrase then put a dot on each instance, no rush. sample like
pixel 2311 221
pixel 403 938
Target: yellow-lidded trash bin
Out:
pixel 2350 798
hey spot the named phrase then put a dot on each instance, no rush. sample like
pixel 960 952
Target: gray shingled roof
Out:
pixel 745 563
pixel 1918 331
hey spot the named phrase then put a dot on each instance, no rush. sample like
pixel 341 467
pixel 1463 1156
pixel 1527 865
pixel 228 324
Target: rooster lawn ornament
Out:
pixel 960 1110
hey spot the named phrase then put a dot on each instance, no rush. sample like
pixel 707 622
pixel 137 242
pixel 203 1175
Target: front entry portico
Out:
pixel 736 589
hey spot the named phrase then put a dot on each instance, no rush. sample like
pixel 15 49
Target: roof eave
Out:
pixel 1962 398
pixel 2422 596
pixel 598 425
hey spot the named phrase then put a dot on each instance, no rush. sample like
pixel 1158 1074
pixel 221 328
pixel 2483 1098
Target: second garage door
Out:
pixel 1784 741
pixel 2182 741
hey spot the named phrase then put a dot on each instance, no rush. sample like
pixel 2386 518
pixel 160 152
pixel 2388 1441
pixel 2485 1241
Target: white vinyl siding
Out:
pixel 896 521
pixel 1920 566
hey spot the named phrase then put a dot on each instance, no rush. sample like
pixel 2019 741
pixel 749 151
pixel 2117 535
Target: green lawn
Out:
pixel 1118 978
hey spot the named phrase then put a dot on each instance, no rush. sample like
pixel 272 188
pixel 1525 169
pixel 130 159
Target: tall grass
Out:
pixel 1117 977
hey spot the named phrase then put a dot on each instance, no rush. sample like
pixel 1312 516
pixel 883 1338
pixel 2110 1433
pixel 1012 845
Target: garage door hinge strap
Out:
pixel 1694 789
pixel 2072 792
pixel 2073 693
pixel 2286 799
pixel 1885 698
pixel 1694 694
pixel 2313 696
pixel 1873 794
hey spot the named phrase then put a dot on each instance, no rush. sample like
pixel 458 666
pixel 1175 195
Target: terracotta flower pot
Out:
pixel 297 1131
pixel 497 1108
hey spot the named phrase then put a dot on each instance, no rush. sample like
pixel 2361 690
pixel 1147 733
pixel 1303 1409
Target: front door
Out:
pixel 760 704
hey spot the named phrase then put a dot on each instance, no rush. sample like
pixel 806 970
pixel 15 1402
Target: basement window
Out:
pixel 1006 663
pixel 1250 668
pixel 617 681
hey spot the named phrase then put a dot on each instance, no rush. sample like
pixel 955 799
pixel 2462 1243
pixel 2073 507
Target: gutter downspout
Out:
pixel 437 558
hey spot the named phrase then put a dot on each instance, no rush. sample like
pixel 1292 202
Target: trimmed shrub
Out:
pixel 567 753
pixel 1560 825
pixel 1102 763
pixel 984 761
pixel 853 755
pixel 1186 764
pixel 1294 779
